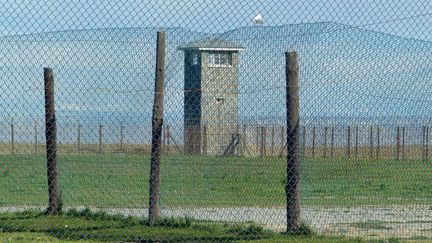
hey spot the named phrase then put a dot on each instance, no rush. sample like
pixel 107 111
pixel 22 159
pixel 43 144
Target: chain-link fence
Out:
pixel 178 120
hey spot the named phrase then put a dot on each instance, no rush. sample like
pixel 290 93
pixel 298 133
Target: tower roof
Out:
pixel 212 44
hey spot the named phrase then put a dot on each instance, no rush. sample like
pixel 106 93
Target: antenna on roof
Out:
pixel 258 19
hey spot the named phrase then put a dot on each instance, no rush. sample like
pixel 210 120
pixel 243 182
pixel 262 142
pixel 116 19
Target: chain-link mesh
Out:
pixel 109 133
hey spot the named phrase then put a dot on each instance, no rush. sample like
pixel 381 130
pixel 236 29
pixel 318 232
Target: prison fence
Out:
pixel 398 142
pixel 179 121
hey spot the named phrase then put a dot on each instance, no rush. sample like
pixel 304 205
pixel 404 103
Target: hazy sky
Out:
pixel 358 58
pixel 410 18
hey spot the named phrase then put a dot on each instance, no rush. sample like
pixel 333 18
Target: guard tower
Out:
pixel 210 96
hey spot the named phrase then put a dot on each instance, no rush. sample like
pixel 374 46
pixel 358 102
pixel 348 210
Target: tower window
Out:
pixel 220 59
pixel 192 59
pixel 195 59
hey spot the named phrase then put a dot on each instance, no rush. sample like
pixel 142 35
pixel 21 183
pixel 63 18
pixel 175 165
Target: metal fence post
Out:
pixel 121 137
pixel 282 141
pixel 398 143
pixel 378 143
pixel 325 141
pixel 304 141
pixel 257 141
pixel 371 142
pixel 356 142
pixel 12 127
pixel 349 142
pixel 313 141
pixel 332 143
pixel 100 139
pixel 403 143
pixel 425 143
pixel 244 140
pixel 168 138
pixel 79 138
pixel 35 138
pixel 204 140
pixel 263 142
pixel 272 142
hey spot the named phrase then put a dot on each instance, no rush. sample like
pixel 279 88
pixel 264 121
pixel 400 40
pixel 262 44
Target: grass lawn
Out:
pixel 197 181
pixel 86 225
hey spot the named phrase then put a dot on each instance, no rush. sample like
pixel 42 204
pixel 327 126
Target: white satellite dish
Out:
pixel 258 19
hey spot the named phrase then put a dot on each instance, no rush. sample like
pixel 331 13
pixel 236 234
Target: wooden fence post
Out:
pixel 157 123
pixel 293 163
pixel 164 135
pixel 51 144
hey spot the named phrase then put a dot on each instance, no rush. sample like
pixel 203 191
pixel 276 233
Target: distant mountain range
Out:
pixel 106 75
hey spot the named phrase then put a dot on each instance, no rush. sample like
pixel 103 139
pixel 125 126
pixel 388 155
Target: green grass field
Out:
pixel 197 181
pixel 98 226
pixel 85 225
